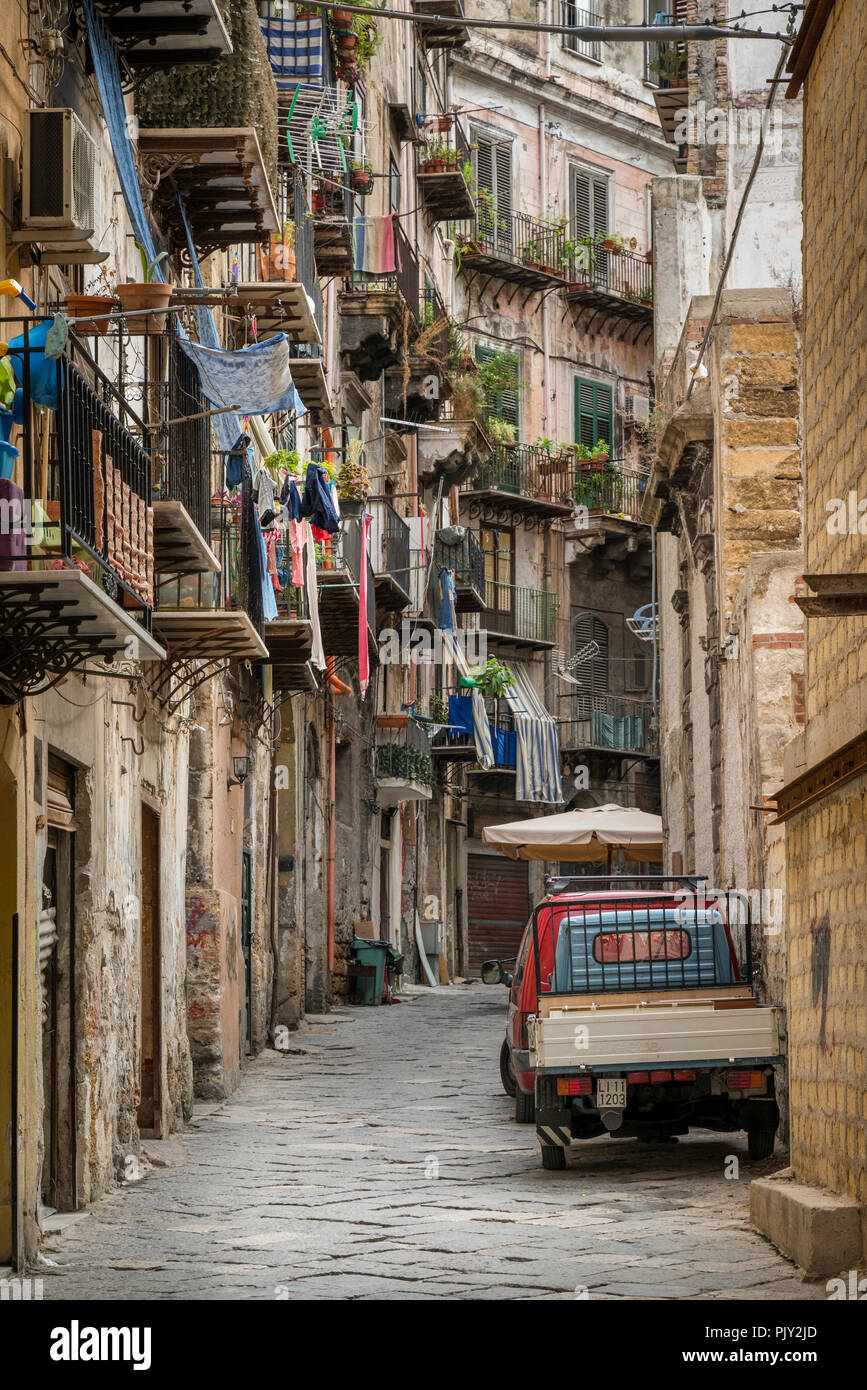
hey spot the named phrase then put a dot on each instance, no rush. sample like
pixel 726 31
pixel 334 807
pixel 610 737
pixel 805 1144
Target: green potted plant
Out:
pixel 500 432
pixel 437 709
pixel 362 177
pixel 149 294
pixel 353 481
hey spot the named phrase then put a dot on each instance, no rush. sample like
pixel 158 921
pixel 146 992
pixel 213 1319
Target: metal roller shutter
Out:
pixel 498 903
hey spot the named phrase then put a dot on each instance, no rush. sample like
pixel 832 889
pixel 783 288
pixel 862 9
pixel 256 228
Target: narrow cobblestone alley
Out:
pixel 379 1159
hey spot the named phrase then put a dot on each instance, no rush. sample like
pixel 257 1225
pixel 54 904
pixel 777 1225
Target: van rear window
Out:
pixel 641 945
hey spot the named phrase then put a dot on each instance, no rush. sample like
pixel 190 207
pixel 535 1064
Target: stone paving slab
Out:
pixel 378 1159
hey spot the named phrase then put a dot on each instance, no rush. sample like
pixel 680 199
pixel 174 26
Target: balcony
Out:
pixel 456 743
pixel 607 284
pixel 182 467
pixel 607 723
pixel 76 526
pixel 404 771
pixel 666 71
pixel 289 639
pixel 374 312
pixel 523 480
pixel 338 570
pixel 218 618
pixel 389 549
pixel 416 388
pixel 444 169
pixel 513 247
pixel 285 297
pixel 149 37
pixel 517 617
pixel 452 450
pixel 453 34
pixel 466 561
pixel 611 489
pixel 332 225
pixel 220 175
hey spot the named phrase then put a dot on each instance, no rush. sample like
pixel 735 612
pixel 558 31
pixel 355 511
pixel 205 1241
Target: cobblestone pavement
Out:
pixel 319 1180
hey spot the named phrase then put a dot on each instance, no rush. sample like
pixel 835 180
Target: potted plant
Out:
pixel 347 42
pixel 437 709
pixel 500 432
pixel 353 481
pixel 97 300
pixel 149 294
pixel 342 21
pixel 362 177
pixel 492 681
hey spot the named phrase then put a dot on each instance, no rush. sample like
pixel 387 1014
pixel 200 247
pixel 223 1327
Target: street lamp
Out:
pixel 241 769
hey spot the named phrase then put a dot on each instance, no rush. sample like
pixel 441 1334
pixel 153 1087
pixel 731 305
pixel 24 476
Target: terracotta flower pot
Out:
pixel 347 43
pixel 362 181
pixel 342 20
pixel 135 297
pixel 78 306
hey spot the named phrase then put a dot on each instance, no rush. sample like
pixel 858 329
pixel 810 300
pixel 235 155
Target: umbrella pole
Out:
pixel 609 860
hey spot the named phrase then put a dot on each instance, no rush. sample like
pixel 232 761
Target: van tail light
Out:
pixel 635 1078
pixel 745 1080
pixel 684 1076
pixel 660 1076
pixel 574 1085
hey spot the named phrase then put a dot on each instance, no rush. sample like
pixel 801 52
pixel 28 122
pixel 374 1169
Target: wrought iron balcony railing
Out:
pixel 515 246
pixel 466 560
pixel 405 278
pixel 623 273
pixel 390 545
pixel 611 489
pixel 607 722
pixel 575 17
pixel 88 505
pixel 457 740
pixel 518 613
pixel 403 752
pixel 527 471
pixel 182 473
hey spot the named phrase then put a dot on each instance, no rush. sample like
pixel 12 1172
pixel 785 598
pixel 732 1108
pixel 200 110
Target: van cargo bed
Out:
pixel 622 1038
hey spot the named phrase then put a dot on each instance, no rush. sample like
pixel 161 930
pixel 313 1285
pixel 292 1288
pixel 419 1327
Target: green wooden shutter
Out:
pixel 485 182
pixel 593 674
pixel 593 413
pixel 506 404
pixel 493 167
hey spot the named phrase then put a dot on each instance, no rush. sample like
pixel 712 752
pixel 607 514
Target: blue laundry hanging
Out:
pixel 316 504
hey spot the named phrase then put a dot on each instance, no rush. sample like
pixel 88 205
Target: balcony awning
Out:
pixel 220 173
pixel 55 620
pixel 209 634
pixel 280 306
pixel 161 33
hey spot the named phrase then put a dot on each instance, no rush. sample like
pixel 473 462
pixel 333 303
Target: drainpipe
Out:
pixel 543 196
pixel 331 827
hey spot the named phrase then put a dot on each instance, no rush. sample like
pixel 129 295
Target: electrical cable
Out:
pixel 740 217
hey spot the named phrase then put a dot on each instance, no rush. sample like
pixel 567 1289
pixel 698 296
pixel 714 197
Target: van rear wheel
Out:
pixel 507 1076
pixel 525 1108
pixel 553 1157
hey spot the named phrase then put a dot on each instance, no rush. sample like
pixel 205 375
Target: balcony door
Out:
pixel 589 219
pixel 498 552
pixel 494 177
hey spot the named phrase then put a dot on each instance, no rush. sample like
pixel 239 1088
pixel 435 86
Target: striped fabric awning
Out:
pixel 294 48
pixel 538 761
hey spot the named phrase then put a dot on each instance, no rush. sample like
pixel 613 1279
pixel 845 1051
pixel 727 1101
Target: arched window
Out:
pixel 593 674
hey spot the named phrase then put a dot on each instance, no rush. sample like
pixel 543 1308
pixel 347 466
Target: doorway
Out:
pixel 498 550
pixel 57 982
pixel 498 906
pixel 247 946
pixel 150 1065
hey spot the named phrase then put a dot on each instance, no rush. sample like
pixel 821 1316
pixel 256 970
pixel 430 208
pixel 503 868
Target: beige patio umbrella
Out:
pixel 584 835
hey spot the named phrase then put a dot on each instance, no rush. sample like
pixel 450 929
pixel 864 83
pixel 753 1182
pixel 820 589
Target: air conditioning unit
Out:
pixel 60 161
pixel 638 409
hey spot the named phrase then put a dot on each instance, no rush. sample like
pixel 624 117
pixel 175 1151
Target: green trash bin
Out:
pixel 369 988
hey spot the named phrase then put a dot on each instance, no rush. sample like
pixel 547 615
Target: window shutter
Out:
pixel 485 181
pixel 581 206
pixel 593 413
pixel 593 674
pixel 504 179
pixel 505 406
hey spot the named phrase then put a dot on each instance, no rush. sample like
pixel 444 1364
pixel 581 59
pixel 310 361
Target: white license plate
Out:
pixel 611 1093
